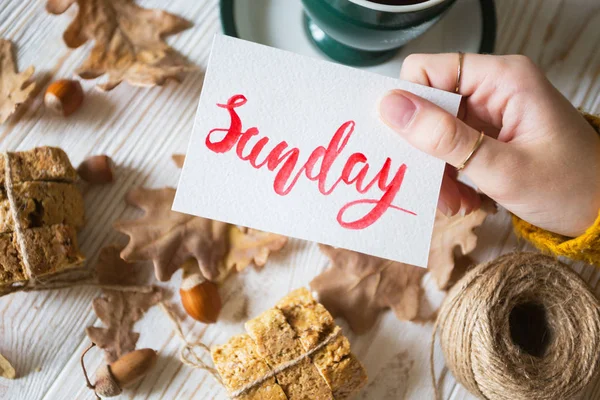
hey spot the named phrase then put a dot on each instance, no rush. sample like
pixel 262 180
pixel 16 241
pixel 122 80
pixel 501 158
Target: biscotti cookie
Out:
pixel 312 323
pixel 340 368
pixel 309 319
pixel 42 204
pixel 276 342
pixel 295 347
pixel 50 249
pixel 38 231
pixel 39 164
pixel 238 364
pixel 11 269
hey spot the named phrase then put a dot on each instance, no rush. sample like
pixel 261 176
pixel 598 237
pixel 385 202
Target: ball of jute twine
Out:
pixel 523 326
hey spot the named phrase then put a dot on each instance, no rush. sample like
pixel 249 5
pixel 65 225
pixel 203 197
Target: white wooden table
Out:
pixel 43 333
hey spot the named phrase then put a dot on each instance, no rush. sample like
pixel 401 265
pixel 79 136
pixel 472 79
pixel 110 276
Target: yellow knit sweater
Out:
pixel 585 247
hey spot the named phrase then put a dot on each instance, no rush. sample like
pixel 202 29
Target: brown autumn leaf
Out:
pixel 247 246
pixel 452 240
pixel 128 41
pixel 111 269
pixel 15 88
pixel 119 310
pixel 178 159
pixel 358 287
pixel 6 368
pixel 169 238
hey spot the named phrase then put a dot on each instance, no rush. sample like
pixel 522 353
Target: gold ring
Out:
pixel 461 57
pixel 473 150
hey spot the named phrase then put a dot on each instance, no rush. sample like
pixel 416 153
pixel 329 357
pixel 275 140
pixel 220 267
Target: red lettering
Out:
pixel 350 164
pixel 235 128
pixel 286 160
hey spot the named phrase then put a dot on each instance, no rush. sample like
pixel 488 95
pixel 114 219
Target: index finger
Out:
pixel 440 70
pixel 489 81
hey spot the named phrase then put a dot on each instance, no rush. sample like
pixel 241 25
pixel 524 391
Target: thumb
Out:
pixel 434 131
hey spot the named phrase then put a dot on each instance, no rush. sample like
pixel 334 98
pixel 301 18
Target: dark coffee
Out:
pixel 398 2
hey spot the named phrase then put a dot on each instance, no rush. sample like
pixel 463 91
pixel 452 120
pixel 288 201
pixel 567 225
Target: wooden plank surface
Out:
pixel 43 333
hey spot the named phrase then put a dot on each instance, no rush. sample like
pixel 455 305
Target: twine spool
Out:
pixel 523 326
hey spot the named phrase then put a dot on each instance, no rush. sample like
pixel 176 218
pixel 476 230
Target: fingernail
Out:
pixel 397 110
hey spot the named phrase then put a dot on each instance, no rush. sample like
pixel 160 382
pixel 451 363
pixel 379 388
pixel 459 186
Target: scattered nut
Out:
pixel 200 298
pixel 96 169
pixel 64 96
pixel 130 368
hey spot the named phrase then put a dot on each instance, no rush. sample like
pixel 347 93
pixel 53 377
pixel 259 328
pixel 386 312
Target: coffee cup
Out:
pixel 368 32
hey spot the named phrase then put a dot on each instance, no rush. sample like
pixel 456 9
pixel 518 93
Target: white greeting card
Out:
pixel 293 145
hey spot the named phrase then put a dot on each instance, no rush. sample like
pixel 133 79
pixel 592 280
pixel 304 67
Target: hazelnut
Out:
pixel 64 96
pixel 200 298
pixel 96 169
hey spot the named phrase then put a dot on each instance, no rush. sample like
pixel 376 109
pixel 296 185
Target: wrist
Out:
pixel 585 247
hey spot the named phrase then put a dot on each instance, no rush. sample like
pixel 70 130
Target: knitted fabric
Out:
pixel 585 247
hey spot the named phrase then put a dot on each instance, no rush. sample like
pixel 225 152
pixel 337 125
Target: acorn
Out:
pixel 64 96
pixel 200 298
pixel 127 370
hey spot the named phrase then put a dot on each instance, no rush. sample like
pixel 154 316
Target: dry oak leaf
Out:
pixel 15 88
pixel 119 310
pixel 453 239
pixel 178 159
pixel 128 41
pixel 169 238
pixel 247 246
pixel 358 287
pixel 6 368
pixel 111 269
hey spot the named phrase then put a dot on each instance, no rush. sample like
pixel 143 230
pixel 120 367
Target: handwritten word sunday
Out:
pixel 292 145
pixel 281 156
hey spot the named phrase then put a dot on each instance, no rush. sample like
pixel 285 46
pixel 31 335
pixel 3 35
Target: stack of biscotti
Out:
pixel 50 211
pixel 295 326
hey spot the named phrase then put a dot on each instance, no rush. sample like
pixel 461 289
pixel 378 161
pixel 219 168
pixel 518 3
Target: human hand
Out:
pixel 539 158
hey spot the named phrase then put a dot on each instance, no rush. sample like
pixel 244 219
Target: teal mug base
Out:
pixel 340 52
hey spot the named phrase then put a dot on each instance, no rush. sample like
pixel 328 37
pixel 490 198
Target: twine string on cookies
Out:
pixel 66 279
pixel 495 355
pixel 15 215
pixel 187 354
pixel 32 281
pixel 336 332
pixel 189 357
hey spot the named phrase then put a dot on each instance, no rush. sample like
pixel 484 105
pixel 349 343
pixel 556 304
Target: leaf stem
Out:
pixel 87 380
